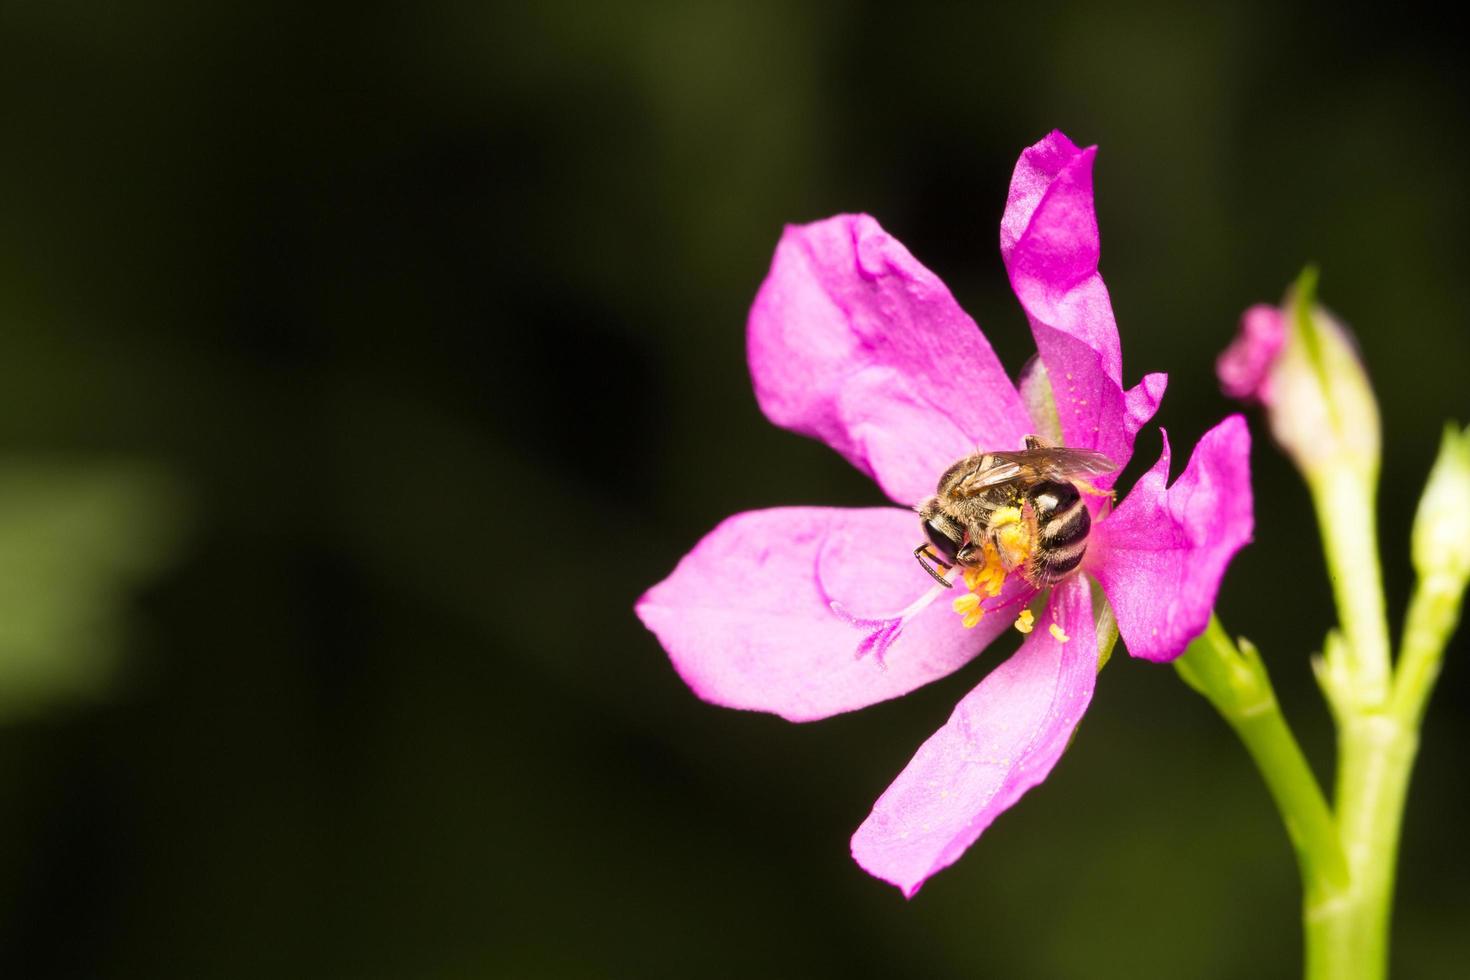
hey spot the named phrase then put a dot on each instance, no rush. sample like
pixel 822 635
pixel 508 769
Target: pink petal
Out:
pixel 1160 556
pixel 1245 366
pixel 1003 738
pixel 747 621
pixel 854 342
pixel 1049 240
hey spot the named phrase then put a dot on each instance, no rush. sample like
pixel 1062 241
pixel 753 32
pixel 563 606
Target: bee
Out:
pixel 1027 506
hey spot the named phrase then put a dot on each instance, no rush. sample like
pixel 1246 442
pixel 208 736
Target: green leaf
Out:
pixel 76 540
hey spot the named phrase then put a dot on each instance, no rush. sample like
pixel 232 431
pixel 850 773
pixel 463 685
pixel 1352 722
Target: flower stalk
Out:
pixel 1345 505
pixel 1234 680
pixel 1441 553
pixel 1434 611
pixel 1347 935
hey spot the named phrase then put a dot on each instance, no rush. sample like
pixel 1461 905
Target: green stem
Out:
pixel 1347 934
pixel 1434 612
pixel 1343 498
pixel 1376 752
pixel 1235 682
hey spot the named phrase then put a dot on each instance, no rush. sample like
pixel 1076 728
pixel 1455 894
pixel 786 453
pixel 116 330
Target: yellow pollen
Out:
pixel 1012 535
pixel 1025 621
pixel 990 576
pixel 1003 516
pixel 1056 632
pixel 1015 544
pixel 985 580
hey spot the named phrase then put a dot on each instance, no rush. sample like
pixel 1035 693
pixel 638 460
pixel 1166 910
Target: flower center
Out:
pixel 983 581
pixel 1013 551
pixel 1008 547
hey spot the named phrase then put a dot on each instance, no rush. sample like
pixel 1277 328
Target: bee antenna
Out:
pixel 921 552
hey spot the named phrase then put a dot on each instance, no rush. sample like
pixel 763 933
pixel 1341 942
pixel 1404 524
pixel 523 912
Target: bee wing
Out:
pixel 1050 463
pixel 1001 470
pixel 1076 462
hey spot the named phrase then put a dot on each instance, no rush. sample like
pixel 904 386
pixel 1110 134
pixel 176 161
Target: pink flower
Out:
pixel 854 342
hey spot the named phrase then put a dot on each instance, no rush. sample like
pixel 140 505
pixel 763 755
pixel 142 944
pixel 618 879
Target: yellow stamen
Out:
pixel 1057 633
pixel 990 576
pixel 1025 622
pixel 984 580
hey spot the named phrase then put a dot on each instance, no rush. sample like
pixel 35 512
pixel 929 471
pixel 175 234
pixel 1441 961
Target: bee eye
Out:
pixel 944 545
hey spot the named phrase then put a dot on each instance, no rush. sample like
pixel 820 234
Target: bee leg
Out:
pixel 923 551
pixel 1035 442
pixel 1093 491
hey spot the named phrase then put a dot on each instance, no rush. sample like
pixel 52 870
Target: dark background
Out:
pixel 359 368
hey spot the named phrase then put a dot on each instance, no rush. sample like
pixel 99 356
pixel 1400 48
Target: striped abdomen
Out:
pixel 1062 523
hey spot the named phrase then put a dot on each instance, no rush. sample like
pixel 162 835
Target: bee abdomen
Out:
pixel 1063 523
pixel 1051 565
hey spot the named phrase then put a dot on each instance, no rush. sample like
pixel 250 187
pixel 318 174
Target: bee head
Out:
pixel 939 530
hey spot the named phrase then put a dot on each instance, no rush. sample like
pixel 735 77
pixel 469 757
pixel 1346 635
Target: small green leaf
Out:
pixel 76 538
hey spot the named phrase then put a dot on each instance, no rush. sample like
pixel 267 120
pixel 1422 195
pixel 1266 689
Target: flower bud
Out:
pixel 1244 368
pixel 1441 535
pixel 1301 363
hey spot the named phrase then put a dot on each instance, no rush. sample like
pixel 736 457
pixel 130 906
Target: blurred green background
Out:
pixel 360 367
